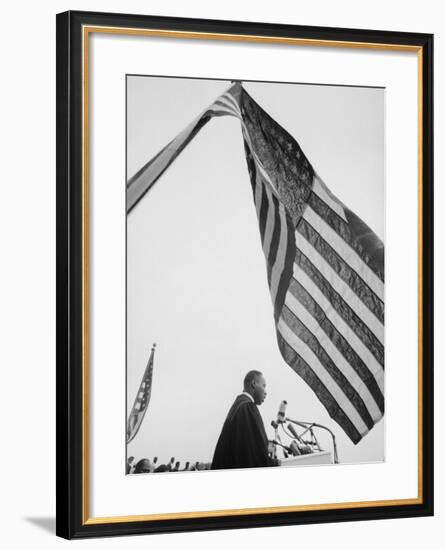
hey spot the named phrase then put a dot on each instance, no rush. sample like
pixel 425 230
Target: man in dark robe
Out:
pixel 243 441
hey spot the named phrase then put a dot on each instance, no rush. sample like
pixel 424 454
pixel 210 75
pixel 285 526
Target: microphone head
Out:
pixel 292 431
pixel 294 448
pixel 282 411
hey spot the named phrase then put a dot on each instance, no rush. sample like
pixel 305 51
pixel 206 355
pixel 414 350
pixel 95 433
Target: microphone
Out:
pixel 285 447
pixel 293 432
pixel 302 446
pixel 294 448
pixel 281 416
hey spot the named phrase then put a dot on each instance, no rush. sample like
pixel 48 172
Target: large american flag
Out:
pixel 142 399
pixel 325 266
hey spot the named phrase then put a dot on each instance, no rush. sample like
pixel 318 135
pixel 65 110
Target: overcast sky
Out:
pixel 196 275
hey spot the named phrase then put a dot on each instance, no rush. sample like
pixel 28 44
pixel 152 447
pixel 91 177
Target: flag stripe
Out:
pixel 339 362
pixel 288 267
pixel 274 243
pixel 343 270
pixel 277 235
pixel 258 193
pixel 349 399
pixel 341 307
pixel 325 195
pixel 270 224
pixel 227 99
pixel 261 169
pixel 346 252
pixel 219 105
pixel 280 260
pixel 344 231
pixel 371 375
pixel 264 211
pixel 306 364
pixel 327 311
pixel 340 286
pixel 272 228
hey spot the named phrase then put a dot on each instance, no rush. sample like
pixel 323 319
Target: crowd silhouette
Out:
pixel 147 466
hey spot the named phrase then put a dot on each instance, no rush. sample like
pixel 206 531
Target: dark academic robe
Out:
pixel 243 439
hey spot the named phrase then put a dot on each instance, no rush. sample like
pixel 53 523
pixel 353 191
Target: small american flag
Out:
pixel 324 265
pixel 142 400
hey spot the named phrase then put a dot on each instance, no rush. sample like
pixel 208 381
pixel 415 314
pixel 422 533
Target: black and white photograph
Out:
pixel 255 274
pixel 221 240
pixel 245 290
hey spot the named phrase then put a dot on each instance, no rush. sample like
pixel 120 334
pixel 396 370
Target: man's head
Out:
pixel 143 466
pixel 255 385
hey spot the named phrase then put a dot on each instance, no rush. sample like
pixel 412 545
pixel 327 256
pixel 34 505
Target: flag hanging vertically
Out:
pixel 325 266
pixel 142 399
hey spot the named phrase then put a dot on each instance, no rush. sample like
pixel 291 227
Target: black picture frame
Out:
pixel 72 511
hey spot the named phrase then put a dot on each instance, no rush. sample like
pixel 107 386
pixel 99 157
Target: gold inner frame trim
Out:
pixel 87 30
pixel 419 273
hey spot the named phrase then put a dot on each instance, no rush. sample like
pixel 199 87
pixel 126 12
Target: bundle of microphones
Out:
pixel 298 446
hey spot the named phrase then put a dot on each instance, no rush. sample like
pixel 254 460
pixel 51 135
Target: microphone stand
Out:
pixel 308 427
pixel 275 426
pixel 286 449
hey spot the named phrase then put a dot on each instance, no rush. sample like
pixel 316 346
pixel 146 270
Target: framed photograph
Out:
pixel 244 274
